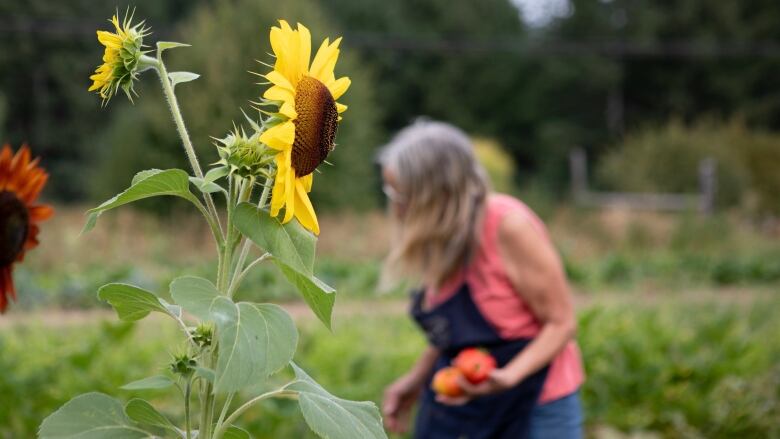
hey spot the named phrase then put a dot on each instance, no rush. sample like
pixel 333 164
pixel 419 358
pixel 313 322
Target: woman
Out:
pixel 492 279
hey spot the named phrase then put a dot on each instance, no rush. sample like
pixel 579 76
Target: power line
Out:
pixel 533 48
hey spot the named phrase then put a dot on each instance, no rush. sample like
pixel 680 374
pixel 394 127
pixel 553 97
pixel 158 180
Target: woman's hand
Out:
pixel 398 401
pixel 498 381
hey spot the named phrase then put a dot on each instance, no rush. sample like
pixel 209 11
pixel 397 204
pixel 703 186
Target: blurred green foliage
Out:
pixel 585 79
pixel 667 158
pixel 675 369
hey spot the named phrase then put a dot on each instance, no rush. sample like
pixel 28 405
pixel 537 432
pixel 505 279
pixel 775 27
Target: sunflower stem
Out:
pixel 187 391
pixel 239 272
pixel 173 105
pixel 281 393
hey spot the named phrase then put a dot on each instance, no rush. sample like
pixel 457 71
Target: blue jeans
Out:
pixel 559 419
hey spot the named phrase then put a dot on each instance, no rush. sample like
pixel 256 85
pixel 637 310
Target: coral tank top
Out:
pixel 502 306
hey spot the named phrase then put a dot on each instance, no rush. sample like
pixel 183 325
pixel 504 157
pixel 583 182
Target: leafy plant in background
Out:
pixel 231 348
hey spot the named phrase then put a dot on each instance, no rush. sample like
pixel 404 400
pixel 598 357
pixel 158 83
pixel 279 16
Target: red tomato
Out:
pixel 475 364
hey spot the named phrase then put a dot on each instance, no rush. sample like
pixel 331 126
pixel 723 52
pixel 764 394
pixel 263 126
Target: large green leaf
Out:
pixel 194 294
pixel 144 413
pixel 153 382
pixel 292 249
pixel 146 184
pixel 255 340
pixel 332 417
pixel 318 295
pixel 289 243
pixel 131 303
pixel 90 416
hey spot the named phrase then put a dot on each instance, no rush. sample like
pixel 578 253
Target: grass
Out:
pixel 608 250
pixel 677 319
pixel 669 368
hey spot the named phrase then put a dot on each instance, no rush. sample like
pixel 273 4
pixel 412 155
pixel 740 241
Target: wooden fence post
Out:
pixel 578 166
pixel 708 185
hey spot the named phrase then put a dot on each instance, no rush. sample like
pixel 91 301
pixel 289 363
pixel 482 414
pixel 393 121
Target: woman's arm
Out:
pixel 403 393
pixel 536 272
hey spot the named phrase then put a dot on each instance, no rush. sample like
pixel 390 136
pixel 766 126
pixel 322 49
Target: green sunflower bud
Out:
pixel 245 155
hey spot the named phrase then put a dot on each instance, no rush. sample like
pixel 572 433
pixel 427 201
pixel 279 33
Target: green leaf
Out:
pixel 332 417
pixel 146 184
pixel 318 295
pixel 206 187
pixel 181 77
pixel 205 373
pixel 144 413
pixel 144 174
pixel 131 303
pixel 255 340
pixel 292 248
pixel 153 382
pixel 163 45
pixel 234 432
pixel 215 174
pixel 90 416
pixel 289 243
pixel 194 294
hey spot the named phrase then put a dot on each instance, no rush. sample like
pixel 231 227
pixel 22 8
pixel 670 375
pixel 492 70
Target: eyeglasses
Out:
pixel 392 194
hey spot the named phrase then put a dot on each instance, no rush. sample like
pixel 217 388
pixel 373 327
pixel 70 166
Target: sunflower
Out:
pixel 21 180
pixel 308 117
pixel 120 58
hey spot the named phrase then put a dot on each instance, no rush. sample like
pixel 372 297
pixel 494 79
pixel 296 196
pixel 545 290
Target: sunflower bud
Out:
pixel 245 156
pixel 183 365
pixel 202 334
pixel 123 58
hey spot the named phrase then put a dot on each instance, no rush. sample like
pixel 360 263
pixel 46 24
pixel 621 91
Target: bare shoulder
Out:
pixel 517 229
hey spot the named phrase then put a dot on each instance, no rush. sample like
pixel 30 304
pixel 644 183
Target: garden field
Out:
pixel 677 321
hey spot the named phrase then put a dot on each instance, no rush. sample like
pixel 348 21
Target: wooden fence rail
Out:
pixel 704 201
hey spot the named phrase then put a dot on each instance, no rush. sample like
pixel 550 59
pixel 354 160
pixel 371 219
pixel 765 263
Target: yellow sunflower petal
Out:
pixel 277 93
pixel 278 194
pixel 289 196
pixel 339 87
pixel 292 66
pixel 280 137
pixel 304 211
pixel 320 57
pixel 304 48
pixel 307 181
pixel 324 72
pixel 279 80
pixel 109 39
pixel 288 109
pixel 341 108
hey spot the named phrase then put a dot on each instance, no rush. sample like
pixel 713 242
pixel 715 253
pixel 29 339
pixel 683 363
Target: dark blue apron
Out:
pixel 454 325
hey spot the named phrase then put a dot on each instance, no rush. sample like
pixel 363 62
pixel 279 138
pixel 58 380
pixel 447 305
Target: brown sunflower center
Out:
pixel 14 225
pixel 315 126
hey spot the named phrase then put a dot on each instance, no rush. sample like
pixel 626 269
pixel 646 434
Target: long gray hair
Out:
pixel 444 189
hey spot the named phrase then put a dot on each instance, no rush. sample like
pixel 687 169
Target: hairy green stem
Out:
pixel 225 409
pixel 187 391
pixel 239 272
pixel 173 105
pixel 206 397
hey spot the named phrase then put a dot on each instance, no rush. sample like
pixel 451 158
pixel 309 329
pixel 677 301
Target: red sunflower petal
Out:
pixel 41 212
pixel 6 287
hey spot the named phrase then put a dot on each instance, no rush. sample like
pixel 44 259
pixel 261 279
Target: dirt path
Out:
pixel 393 306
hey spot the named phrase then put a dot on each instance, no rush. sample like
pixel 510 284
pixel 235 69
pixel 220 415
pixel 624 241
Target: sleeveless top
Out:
pixel 503 307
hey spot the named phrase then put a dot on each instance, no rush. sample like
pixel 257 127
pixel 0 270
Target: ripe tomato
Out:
pixel 445 382
pixel 475 364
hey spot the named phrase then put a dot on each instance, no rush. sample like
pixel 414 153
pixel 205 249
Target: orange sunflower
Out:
pixel 21 181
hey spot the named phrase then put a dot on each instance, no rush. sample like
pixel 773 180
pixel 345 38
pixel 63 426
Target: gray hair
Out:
pixel 444 189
